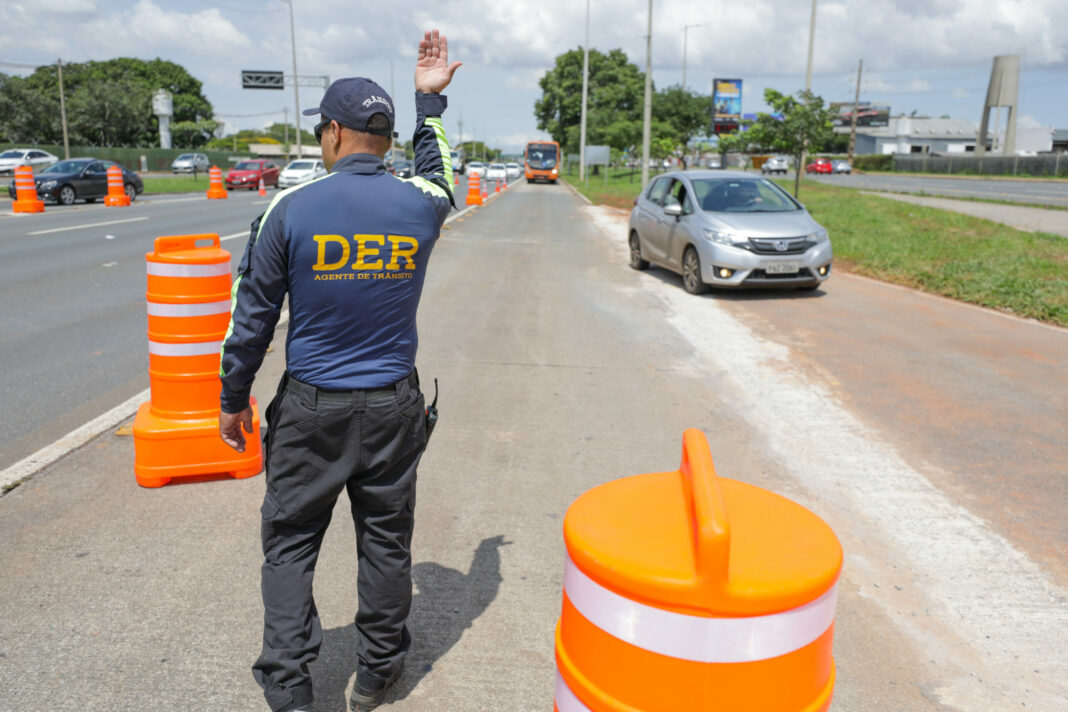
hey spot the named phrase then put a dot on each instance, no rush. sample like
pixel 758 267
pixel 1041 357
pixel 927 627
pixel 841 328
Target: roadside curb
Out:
pixel 575 190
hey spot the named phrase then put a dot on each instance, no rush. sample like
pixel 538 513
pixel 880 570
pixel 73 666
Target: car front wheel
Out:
pixel 131 191
pixel 636 261
pixel 691 273
pixel 67 196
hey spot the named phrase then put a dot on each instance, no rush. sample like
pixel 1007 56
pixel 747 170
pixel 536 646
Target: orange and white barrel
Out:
pixel 26 200
pixel 684 591
pixel 116 190
pixel 216 189
pixel 176 432
pixel 474 191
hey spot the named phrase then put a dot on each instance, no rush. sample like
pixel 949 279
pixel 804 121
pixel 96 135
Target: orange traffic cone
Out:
pixel 263 190
pixel 498 188
pixel 484 188
pixel 456 178
pixel 216 190
pixel 116 191
pixel 26 200
pixel 474 194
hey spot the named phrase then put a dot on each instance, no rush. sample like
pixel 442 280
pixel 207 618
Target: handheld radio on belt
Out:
pixel 432 413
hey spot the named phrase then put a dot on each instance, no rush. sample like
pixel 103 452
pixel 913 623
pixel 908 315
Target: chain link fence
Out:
pixel 1050 165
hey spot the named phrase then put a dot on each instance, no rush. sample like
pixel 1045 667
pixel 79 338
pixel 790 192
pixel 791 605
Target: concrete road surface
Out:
pixel 1021 217
pixel 1049 192
pixel 927 433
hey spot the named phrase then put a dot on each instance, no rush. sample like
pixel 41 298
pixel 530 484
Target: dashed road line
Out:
pixel 82 227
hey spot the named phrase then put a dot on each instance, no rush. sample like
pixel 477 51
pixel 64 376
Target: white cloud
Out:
pixel 1028 122
pixel 960 93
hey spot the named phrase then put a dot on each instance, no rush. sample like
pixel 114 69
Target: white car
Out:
pixel 496 171
pixel 513 170
pixel 33 157
pixel 775 164
pixel 300 171
pixel 476 167
pixel 191 163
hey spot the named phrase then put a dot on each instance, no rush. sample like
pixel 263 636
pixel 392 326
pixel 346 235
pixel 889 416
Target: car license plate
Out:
pixel 783 268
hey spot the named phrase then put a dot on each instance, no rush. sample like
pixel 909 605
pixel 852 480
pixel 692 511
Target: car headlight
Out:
pixel 725 238
pixel 47 184
pixel 818 236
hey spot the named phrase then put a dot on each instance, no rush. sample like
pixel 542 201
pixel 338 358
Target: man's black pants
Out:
pixel 318 443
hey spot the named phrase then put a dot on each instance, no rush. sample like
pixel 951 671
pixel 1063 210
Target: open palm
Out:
pixel 433 71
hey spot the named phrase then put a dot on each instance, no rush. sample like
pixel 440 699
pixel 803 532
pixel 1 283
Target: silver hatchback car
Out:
pixel 727 229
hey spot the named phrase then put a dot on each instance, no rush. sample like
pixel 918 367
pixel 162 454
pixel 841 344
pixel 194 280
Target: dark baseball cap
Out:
pixel 354 100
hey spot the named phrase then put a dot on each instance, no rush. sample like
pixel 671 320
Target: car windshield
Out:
pixel 11 154
pixel 65 167
pixel 300 166
pixel 541 155
pixel 741 195
pixel 247 166
pixel 497 166
pixel 185 157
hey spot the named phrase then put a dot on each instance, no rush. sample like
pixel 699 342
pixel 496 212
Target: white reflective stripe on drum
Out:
pixel 565 698
pixel 200 348
pixel 169 269
pixel 694 638
pixel 207 309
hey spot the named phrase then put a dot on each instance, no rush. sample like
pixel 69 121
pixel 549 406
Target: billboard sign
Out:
pixel 868 114
pixel 726 105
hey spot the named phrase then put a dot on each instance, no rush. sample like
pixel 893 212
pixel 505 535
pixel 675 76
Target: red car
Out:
pixel 247 174
pixel 820 165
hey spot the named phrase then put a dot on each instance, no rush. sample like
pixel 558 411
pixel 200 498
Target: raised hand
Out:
pixel 433 71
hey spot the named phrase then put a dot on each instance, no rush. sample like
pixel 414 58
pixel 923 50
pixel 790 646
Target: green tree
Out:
pixel 108 103
pixel 614 104
pixel 684 113
pixel 193 134
pixel 805 124
pixel 731 142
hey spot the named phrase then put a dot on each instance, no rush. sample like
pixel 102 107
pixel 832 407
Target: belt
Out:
pixel 315 394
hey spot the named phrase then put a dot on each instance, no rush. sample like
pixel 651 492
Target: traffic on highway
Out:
pixel 730 410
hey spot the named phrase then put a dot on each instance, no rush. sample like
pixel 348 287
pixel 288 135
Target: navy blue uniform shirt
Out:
pixel 351 250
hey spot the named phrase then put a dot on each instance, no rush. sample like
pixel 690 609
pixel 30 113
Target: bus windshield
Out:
pixel 541 155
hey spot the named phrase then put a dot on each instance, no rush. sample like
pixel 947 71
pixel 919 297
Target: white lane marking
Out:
pixel 1000 606
pixel 29 466
pixel 109 264
pixel 82 227
pixel 166 201
pixel 260 202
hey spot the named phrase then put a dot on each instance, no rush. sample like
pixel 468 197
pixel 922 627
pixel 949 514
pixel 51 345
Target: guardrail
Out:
pixel 1052 164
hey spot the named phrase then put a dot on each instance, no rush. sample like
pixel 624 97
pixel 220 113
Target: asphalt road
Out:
pixel 1018 191
pixel 923 431
pixel 72 334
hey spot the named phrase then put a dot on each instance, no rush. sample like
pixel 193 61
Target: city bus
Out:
pixel 542 161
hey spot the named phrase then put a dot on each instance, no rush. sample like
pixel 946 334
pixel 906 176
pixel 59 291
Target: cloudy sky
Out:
pixel 931 56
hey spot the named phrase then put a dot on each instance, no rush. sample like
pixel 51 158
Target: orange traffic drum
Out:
pixel 685 591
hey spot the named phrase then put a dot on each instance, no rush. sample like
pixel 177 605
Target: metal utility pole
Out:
pixel 684 31
pixel 647 118
pixel 63 110
pixel 285 114
pixel 808 88
pixel 296 91
pixel 811 44
pixel 585 93
pixel 853 123
pixel 460 123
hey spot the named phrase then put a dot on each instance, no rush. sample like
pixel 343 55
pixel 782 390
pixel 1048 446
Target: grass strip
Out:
pixel 938 251
pixel 178 184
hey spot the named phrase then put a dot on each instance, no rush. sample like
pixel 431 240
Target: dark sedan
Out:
pixel 80 179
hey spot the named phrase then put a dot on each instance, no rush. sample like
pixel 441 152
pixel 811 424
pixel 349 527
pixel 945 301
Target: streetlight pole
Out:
pixel 585 93
pixel 811 43
pixel 684 31
pixel 63 110
pixel 296 90
pixel 648 113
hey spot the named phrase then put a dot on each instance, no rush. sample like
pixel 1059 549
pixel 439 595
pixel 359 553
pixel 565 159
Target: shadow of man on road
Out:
pixel 447 603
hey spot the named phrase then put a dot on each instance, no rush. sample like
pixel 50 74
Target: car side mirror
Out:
pixel 674 209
